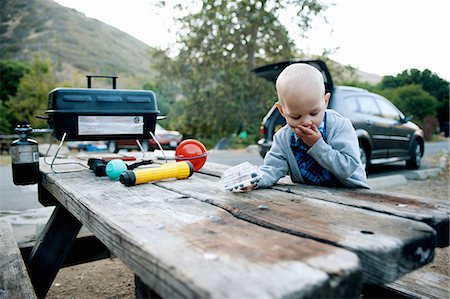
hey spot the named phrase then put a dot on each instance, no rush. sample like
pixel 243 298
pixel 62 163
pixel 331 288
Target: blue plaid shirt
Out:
pixel 312 172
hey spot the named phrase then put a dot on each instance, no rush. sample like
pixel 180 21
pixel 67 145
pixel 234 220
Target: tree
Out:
pixel 414 101
pixel 220 45
pixel 32 92
pixel 430 82
pixel 5 126
pixel 161 97
pixel 11 72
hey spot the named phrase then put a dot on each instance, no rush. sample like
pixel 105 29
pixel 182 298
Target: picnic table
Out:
pixel 190 239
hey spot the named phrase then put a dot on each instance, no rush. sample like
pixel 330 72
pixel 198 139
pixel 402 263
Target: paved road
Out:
pixel 14 197
pixel 229 157
pixel 431 150
pixel 25 197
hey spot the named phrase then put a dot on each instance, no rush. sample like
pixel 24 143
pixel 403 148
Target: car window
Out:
pixel 346 105
pixel 368 106
pixel 388 110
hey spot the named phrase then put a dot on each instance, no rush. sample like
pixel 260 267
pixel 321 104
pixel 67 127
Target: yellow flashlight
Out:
pixel 178 170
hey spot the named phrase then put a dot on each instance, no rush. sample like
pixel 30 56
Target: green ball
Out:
pixel 114 169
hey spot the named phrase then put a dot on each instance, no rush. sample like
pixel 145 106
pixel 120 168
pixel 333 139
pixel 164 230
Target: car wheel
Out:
pixel 416 156
pixel 112 147
pixel 364 157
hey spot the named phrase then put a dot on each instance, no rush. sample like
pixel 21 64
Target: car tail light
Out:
pixel 263 130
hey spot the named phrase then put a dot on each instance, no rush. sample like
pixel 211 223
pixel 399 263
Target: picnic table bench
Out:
pixel 14 279
pixel 188 238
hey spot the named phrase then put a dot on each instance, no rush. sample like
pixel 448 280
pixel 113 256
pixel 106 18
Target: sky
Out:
pixel 383 37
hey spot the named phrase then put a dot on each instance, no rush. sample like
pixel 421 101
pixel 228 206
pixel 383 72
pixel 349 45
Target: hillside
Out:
pixel 69 38
pixel 368 77
pixel 79 45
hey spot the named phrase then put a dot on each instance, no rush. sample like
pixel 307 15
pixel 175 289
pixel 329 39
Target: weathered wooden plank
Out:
pixel 433 212
pixel 387 246
pixel 213 169
pixel 183 248
pixel 14 280
pixel 422 284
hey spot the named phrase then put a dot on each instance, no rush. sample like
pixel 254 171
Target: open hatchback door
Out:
pixel 270 72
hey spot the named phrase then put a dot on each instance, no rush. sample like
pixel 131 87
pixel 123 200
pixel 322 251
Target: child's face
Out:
pixel 303 109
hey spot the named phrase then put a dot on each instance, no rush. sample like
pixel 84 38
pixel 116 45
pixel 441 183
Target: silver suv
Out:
pixel 385 134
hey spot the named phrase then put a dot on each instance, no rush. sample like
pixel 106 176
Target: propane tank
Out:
pixel 24 157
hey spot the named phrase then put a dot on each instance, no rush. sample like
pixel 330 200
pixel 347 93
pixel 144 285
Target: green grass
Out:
pixel 5 160
pixel 438 137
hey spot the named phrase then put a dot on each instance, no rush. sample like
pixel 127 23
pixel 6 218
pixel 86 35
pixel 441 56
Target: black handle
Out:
pixel 114 80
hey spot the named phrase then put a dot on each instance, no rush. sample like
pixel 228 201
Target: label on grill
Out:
pixel 110 125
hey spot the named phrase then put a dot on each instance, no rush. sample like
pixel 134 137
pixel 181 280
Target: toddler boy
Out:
pixel 317 146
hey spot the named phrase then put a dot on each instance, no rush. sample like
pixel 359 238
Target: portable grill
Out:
pixel 85 114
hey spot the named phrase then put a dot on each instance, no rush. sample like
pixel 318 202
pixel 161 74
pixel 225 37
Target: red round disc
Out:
pixel 191 150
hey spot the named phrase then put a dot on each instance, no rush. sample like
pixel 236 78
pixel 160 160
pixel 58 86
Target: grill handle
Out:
pixel 113 78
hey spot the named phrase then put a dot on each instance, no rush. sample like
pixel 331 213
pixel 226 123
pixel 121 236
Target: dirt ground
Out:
pixel 110 278
pixel 435 188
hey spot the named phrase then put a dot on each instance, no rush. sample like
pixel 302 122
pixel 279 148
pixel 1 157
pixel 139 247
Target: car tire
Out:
pixel 416 156
pixel 112 147
pixel 364 156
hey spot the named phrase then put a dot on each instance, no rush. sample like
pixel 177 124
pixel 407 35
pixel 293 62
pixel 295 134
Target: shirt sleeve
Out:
pixel 341 154
pixel 275 165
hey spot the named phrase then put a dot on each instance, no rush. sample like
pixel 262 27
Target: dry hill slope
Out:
pixel 73 41
pixel 68 37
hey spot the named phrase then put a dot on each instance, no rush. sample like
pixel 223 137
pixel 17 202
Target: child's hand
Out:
pixel 248 188
pixel 308 135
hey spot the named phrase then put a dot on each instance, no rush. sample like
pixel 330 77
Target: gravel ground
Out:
pixel 436 188
pixel 110 278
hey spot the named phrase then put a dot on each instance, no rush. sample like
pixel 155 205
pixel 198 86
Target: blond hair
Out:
pixel 299 78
